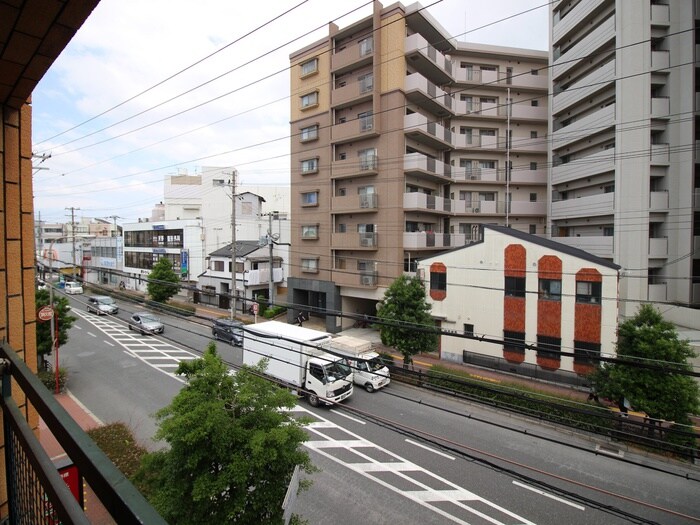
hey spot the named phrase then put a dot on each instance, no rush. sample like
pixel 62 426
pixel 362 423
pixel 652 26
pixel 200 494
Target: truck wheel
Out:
pixel 369 388
pixel 313 400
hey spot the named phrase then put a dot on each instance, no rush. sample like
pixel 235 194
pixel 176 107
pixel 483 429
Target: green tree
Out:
pixel 232 449
pixel 661 393
pixel 162 281
pixel 44 345
pixel 403 308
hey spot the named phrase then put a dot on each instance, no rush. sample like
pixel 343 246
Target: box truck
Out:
pixel 297 357
pixel 366 365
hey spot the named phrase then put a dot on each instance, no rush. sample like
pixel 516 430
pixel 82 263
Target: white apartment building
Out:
pixel 206 197
pixel 623 146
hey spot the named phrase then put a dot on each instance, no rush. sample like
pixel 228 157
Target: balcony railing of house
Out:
pixel 35 491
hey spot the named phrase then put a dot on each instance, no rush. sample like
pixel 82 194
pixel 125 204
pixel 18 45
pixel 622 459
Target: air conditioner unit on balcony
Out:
pixel 477 210
pixel 366 242
pixel 472 177
pixel 367 280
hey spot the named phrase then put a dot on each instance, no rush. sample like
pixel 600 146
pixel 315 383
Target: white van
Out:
pixel 72 287
pixel 368 369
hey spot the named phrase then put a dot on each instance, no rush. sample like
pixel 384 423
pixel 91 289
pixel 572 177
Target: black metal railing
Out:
pixel 36 492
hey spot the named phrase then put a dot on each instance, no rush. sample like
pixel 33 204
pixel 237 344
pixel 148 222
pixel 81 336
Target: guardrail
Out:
pixel 36 492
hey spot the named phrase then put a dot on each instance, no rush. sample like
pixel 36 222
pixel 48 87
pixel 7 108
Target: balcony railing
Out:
pixel 36 493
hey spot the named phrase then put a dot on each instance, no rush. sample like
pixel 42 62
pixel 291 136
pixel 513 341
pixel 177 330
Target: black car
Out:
pixel 229 331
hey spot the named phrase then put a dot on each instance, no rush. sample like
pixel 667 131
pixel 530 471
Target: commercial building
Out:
pixel 523 303
pixel 405 142
pixel 623 123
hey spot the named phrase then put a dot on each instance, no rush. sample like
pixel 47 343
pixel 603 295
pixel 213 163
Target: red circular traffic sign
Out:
pixel 255 308
pixel 45 313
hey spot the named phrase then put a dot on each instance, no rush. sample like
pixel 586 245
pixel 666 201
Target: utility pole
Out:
pixel 271 289
pixel 232 184
pixel 114 218
pixel 72 228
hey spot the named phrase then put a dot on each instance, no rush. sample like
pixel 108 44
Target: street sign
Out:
pixel 45 313
pixel 255 308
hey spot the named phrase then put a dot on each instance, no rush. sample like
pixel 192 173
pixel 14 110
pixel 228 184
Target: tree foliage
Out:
pixel 232 450
pixel 661 393
pixel 404 306
pixel 44 345
pixel 162 281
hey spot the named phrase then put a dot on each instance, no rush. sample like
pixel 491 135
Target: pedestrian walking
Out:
pixel 300 318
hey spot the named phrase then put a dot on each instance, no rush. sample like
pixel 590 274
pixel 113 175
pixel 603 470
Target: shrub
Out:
pixel 48 377
pixel 118 443
pixel 274 311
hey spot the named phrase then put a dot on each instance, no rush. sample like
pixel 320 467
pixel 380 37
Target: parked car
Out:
pixel 146 323
pixel 40 285
pixel 72 287
pixel 229 331
pixel 102 305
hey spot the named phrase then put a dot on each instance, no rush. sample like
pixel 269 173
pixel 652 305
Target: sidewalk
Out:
pixel 94 510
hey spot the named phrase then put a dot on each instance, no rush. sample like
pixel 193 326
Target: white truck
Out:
pixel 366 365
pixel 297 357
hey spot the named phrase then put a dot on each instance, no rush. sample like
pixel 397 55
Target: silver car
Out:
pixel 146 323
pixel 102 305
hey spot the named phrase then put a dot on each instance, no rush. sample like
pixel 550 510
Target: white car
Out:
pixel 72 287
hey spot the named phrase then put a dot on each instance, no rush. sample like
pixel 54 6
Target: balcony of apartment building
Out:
pixel 656 291
pixel 598 205
pixel 363 203
pixel 482 142
pixel 477 77
pixel 355 167
pixel 659 154
pixel 36 491
pixel 347 92
pixel 599 245
pixel 660 61
pixel 359 128
pixel 355 241
pixel 658 247
pixel 262 276
pixel 474 172
pixel 696 199
pixel 658 201
pixel 574 17
pixel 660 15
pixel 525 175
pixel 428 96
pixel 596 80
pixel 427 60
pixel 524 110
pixel 528 208
pixel 572 129
pixel 429 240
pixel 660 107
pixel 602 161
pixel 352 55
pixel 418 201
pixel 355 279
pixel 588 46
pixel 422 166
pixel 426 131
pixel 532 144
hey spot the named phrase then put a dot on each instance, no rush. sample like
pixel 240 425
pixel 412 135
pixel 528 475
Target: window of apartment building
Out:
pixel 588 292
pixel 608 231
pixel 218 266
pixel 534 103
pixel 533 166
pixel 309 265
pixel 368 158
pixel 487 164
pixel 309 133
pixel 365 228
pixel 487 132
pixel 487 100
pixel 366 119
pixel 533 229
pixel 309 198
pixel 609 188
pixel 309 231
pixel 513 341
pixel 487 196
pixel 584 352
pixel 550 289
pixel 341 228
pixel 438 281
pixel 366 82
pixel 515 286
pixel 535 72
pixel 548 346
pixel 308 67
pixel 366 46
pixel 340 263
pixel 533 197
pixel 309 166
pixel 533 134
pixel 469 329
pixel 487 68
pixel 466 196
pixel 365 265
pixel 309 100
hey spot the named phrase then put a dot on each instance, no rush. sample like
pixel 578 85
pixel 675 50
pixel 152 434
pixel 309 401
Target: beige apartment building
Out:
pixel 401 140
pixel 623 143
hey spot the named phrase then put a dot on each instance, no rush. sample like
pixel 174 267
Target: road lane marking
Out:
pixel 548 495
pixel 430 449
pixel 76 326
pixel 93 335
pixel 348 417
pixel 107 343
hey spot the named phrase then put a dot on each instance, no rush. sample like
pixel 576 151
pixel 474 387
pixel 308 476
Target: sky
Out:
pixel 150 89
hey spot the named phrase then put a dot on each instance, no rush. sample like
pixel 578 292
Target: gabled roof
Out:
pixel 243 248
pixel 535 239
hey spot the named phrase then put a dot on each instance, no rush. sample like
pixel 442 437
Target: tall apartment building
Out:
pixel 623 141
pixel 400 142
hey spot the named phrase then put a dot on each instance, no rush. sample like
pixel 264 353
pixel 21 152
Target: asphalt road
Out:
pixel 450 462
